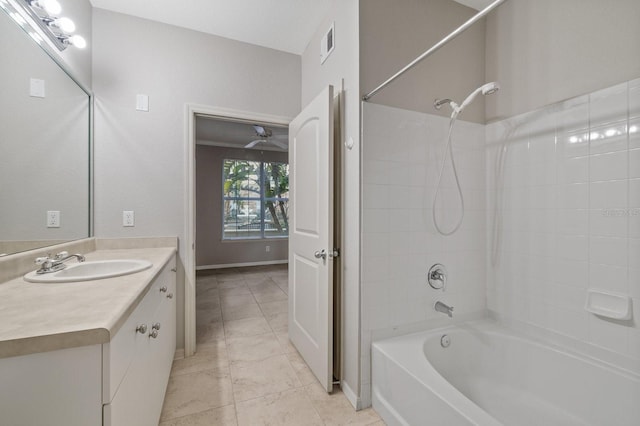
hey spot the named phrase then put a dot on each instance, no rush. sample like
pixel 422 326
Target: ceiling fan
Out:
pixel 265 136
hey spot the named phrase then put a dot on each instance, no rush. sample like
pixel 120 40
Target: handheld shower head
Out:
pixel 486 89
pixel 490 88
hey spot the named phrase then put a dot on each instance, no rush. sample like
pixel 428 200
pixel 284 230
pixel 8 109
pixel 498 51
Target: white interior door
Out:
pixel 311 235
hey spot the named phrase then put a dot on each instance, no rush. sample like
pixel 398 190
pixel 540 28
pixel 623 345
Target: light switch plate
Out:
pixel 36 88
pixel 142 103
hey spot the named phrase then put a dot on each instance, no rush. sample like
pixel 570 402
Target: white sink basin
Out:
pixel 87 271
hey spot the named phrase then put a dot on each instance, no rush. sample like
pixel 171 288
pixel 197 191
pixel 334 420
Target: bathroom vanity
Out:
pixel 91 352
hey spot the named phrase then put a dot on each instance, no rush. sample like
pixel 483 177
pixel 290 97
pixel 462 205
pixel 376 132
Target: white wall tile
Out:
pixel 375 171
pixel 634 163
pixel 608 251
pixel 572 272
pixel 573 247
pixel 375 196
pixel 573 196
pixel 634 132
pixel 572 323
pixel 608 223
pixel 572 222
pixel 607 277
pixel 375 220
pixel 573 170
pixel 607 334
pixel 610 166
pixel 608 195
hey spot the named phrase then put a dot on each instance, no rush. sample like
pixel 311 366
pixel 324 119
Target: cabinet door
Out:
pixel 139 398
pixel 164 346
pixel 57 388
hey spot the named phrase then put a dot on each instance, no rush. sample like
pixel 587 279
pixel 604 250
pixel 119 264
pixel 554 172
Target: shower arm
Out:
pixel 435 47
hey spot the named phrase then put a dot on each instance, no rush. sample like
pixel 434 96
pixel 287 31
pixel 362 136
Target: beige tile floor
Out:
pixel 245 371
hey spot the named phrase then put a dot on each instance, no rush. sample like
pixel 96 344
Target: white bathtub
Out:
pixel 490 376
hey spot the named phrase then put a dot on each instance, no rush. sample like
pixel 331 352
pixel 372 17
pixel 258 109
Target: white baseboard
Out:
pixel 240 265
pixel 351 395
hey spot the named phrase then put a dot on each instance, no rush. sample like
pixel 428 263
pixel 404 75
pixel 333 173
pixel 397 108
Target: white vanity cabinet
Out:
pixel 140 357
pixel 117 383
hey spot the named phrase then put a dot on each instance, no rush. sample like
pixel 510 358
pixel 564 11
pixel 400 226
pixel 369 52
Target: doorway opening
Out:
pixel 236 199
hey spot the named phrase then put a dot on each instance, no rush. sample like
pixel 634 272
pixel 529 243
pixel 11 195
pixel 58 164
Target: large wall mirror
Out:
pixel 45 152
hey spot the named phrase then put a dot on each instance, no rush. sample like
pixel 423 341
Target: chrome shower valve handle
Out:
pixel 437 277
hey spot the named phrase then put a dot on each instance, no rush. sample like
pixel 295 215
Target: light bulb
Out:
pixel 52 7
pixel 78 41
pixel 65 24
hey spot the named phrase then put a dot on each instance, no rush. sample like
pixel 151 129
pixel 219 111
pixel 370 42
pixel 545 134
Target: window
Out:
pixel 255 199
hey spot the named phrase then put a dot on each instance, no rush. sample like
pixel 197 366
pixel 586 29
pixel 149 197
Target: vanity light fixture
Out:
pixel 45 15
pixel 52 7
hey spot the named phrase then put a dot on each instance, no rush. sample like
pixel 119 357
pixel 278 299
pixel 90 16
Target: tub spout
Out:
pixel 445 309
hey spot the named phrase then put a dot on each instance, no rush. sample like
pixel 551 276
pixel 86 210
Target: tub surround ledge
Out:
pixel 39 317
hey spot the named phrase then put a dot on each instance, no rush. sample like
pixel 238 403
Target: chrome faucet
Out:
pixel 445 309
pixel 50 264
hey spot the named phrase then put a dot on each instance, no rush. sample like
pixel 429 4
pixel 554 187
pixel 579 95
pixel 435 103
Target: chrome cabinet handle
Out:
pixel 320 254
pixel 170 296
pixel 163 289
pixel 156 326
pixel 142 328
pixel 153 334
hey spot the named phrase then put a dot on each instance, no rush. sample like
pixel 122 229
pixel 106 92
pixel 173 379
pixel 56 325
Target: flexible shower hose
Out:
pixel 454 116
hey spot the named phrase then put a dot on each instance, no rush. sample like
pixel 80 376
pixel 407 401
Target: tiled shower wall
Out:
pixel 402 154
pixel 563 217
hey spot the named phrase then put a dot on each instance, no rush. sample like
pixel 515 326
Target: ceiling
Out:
pixel 217 132
pixel 475 4
pixel 285 25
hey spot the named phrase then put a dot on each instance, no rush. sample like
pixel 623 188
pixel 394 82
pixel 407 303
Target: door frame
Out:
pixel 191 110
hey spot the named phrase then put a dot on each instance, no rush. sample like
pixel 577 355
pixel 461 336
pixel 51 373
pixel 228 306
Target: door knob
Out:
pixel 320 254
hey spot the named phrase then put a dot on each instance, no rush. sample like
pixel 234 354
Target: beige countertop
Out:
pixel 38 317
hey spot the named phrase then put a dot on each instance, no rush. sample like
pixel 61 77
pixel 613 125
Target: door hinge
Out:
pixel 335 253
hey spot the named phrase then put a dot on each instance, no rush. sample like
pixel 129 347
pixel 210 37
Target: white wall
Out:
pixel 569 218
pixel 139 156
pixel 211 249
pixel 403 154
pixel 546 51
pixel 343 64
pixel 394 33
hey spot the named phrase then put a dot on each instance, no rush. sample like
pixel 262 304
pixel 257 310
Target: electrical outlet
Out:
pixel 53 219
pixel 267 249
pixel 128 218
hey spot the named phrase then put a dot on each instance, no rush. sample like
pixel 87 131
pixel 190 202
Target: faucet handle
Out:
pixel 61 255
pixel 41 260
pixel 437 277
